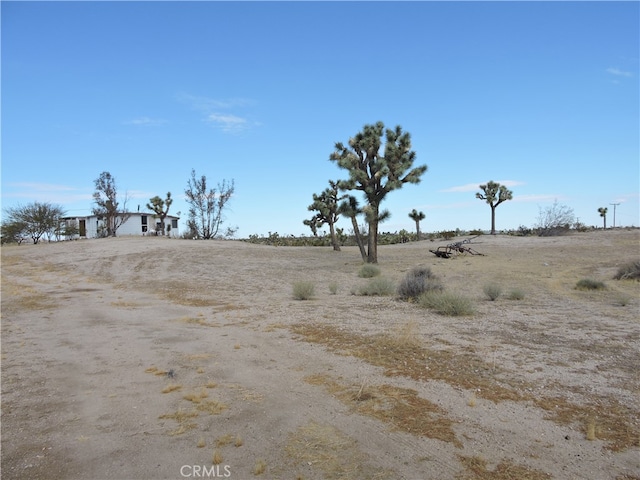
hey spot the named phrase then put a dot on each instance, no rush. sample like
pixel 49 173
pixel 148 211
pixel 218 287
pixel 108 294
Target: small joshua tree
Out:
pixel 603 213
pixel 416 217
pixel 494 194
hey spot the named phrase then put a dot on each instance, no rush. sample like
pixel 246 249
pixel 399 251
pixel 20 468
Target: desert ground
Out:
pixel 157 358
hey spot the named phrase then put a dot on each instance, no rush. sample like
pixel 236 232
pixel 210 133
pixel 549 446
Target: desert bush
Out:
pixel 623 299
pixel 445 303
pixel 418 281
pixel 555 220
pixel 303 290
pixel 369 270
pixel 492 291
pixel 628 271
pixel 590 284
pixel 333 288
pixel 515 294
pixel 379 286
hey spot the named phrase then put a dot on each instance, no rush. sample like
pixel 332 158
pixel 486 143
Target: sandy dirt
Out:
pixel 155 358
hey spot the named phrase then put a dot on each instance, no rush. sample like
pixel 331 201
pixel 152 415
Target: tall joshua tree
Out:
pixel 161 208
pixel 416 217
pixel 603 213
pixel 494 194
pixel 375 174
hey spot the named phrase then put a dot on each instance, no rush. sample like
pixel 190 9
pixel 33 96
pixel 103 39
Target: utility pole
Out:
pixel 614 213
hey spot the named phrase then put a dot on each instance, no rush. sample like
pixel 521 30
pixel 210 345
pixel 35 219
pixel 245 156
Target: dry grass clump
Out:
pixel 303 290
pixel 212 407
pixel 196 397
pixel 379 286
pixel 515 294
pixel 492 291
pixel 171 388
pixel 369 270
pixel 260 467
pixel 590 284
pixel 628 271
pixel 333 288
pixel 418 281
pixel 183 419
pixel 216 458
pixel 406 335
pixel 447 303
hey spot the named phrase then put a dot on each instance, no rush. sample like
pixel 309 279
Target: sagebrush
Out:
pixel 303 290
pixel 380 286
pixel 368 271
pixel 416 282
pixel 446 303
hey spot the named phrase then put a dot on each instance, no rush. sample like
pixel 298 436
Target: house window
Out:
pixel 174 223
pixel 143 219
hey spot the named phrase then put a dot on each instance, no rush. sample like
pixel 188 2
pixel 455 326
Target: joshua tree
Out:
pixel 603 213
pixel 350 208
pixel 326 204
pixel 376 175
pixel 494 194
pixel 161 208
pixel 416 217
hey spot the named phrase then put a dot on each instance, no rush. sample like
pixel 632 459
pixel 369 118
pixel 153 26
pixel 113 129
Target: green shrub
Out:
pixel 445 303
pixel 628 271
pixel 418 281
pixel 492 291
pixel 515 294
pixel 303 290
pixel 590 284
pixel 379 286
pixel 369 270
pixel 333 288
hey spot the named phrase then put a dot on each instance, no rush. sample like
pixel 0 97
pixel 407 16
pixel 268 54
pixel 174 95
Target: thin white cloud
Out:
pixel 228 123
pixel 208 104
pixel 146 122
pixel 221 113
pixel 619 73
pixel 471 187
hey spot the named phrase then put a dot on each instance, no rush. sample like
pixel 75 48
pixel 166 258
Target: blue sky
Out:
pixel 542 97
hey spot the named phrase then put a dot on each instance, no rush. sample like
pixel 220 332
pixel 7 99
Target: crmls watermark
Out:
pixel 204 471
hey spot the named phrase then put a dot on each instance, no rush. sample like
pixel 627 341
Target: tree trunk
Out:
pixel 372 256
pixel 334 240
pixel 356 232
pixel 493 219
pixel 418 229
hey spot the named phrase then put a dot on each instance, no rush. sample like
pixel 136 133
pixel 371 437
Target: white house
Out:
pixel 138 223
